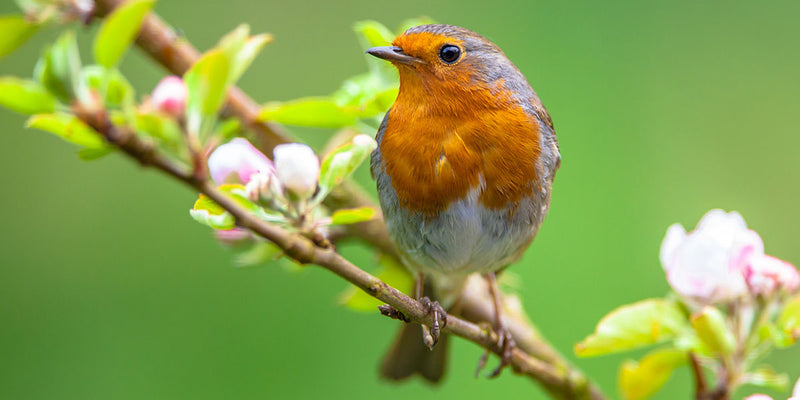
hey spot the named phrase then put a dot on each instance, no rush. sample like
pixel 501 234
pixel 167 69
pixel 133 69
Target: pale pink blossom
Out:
pixel 796 392
pixel 758 397
pixel 233 236
pixel 703 265
pixel 236 161
pixel 297 168
pixel 364 141
pixel 767 274
pixel 264 186
pixel 169 96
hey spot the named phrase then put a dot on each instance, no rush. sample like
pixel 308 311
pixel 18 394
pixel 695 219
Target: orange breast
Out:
pixel 441 144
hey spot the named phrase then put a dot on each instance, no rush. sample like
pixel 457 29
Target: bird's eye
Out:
pixel 449 53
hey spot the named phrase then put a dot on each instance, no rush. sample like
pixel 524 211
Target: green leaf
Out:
pixel 221 221
pixel 47 75
pixel 765 376
pixel 321 112
pixel 28 6
pixel 69 128
pixel 789 319
pixel 352 215
pixel 59 69
pixel 391 273
pixel 229 129
pixel 114 89
pixel 779 338
pixel 380 103
pixel 206 83
pixel 373 33
pixel 91 154
pixel 160 127
pixel 14 31
pixel 713 331
pixel 266 253
pixel 340 163
pixel 118 31
pixel 247 54
pixel 641 380
pixel 259 253
pixel 635 325
pixel 242 49
pixel 207 212
pixel 367 92
pixel 234 40
pixel 26 97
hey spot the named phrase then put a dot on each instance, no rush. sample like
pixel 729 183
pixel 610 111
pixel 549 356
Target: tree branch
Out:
pixel 721 392
pixel 542 365
pixel 533 355
pixel 176 54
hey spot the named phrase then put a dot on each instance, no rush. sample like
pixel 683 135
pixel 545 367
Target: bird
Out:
pixel 464 168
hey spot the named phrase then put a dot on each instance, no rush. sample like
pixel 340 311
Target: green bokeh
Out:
pixel 663 110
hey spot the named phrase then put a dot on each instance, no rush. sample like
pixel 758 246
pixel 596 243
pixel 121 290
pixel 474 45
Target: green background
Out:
pixel 663 110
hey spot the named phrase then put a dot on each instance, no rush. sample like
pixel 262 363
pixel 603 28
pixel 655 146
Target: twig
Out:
pixel 699 377
pixel 557 378
pixel 721 392
pixel 159 41
pixel 533 356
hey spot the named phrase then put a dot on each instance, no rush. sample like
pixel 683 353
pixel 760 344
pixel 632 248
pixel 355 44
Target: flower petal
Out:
pixel 758 397
pixel 236 161
pixel 169 96
pixel 721 226
pixel 297 167
pixel 675 235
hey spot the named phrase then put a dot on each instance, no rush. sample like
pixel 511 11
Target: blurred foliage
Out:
pixel 361 100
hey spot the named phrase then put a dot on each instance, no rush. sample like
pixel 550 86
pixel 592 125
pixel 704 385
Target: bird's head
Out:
pixel 446 61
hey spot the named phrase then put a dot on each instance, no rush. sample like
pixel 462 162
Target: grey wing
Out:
pixel 551 155
pixel 375 161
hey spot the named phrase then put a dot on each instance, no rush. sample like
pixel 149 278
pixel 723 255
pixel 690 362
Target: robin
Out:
pixel 464 166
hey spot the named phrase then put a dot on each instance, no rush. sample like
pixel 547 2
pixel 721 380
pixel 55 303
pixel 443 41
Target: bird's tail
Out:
pixel 409 355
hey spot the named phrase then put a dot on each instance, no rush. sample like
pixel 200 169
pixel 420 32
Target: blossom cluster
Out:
pixel 722 261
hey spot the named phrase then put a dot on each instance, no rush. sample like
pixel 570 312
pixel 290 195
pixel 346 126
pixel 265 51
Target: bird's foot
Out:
pixel 505 344
pixel 430 335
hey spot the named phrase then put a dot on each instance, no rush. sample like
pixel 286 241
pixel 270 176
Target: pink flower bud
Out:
pixel 233 237
pixel 758 397
pixel 264 186
pixel 169 96
pixel 297 168
pixel 702 265
pixel 767 274
pixel 236 161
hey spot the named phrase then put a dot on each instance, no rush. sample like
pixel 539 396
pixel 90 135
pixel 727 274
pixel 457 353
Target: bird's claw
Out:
pixel 430 335
pixel 506 344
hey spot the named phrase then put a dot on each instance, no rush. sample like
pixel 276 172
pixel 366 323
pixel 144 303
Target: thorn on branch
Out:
pixel 393 313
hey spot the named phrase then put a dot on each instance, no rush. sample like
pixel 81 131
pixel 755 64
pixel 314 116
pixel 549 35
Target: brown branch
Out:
pixel 534 355
pixel 700 387
pixel 161 43
pixel 542 365
pixel 176 54
pixel 721 392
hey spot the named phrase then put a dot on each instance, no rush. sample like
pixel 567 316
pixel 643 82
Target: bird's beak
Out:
pixel 393 54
